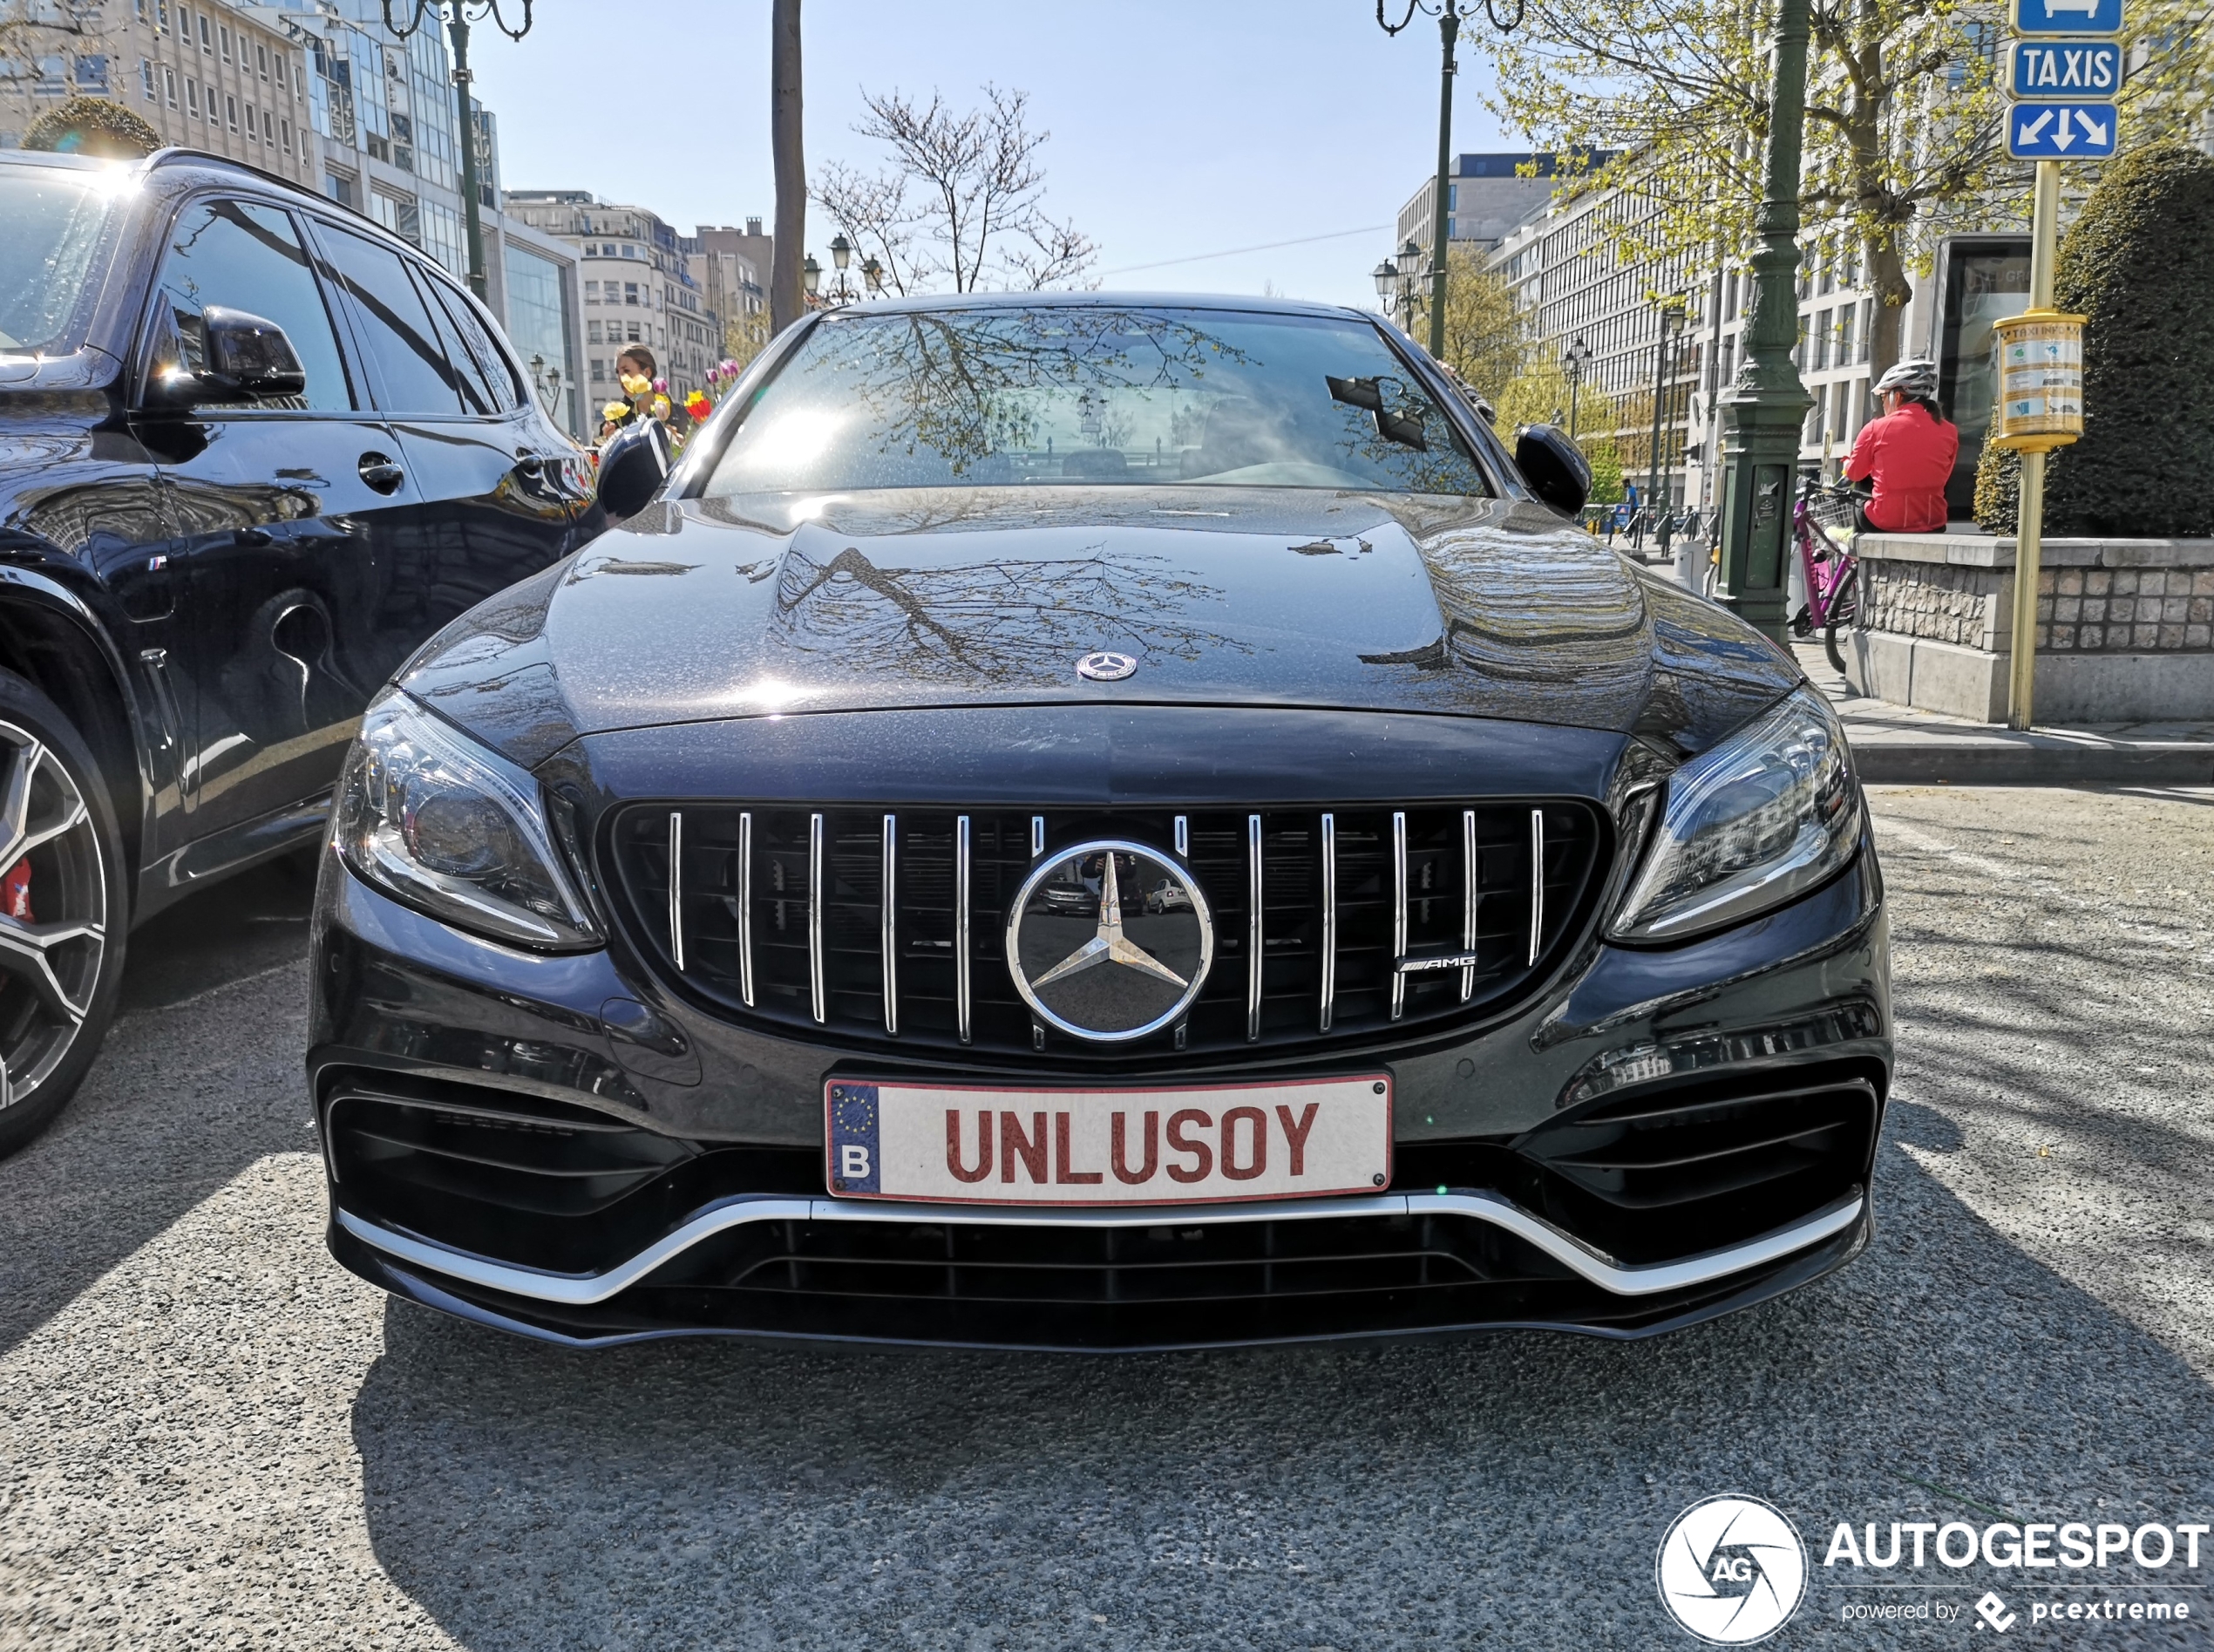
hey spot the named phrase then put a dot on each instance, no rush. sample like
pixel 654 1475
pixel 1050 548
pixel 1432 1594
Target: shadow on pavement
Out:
pixel 192 1087
pixel 1507 1489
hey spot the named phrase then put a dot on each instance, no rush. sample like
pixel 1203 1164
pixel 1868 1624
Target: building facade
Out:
pixel 733 265
pixel 208 75
pixel 1486 197
pixel 387 134
pixel 640 287
pixel 1569 273
pixel 320 93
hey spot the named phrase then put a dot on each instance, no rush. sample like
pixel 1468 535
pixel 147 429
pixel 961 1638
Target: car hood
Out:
pixel 705 609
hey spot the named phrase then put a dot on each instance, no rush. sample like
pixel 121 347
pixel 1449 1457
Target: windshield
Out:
pixel 54 216
pixel 1095 395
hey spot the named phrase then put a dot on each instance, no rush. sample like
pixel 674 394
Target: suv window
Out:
pixel 488 385
pixel 414 374
pixel 55 219
pixel 243 255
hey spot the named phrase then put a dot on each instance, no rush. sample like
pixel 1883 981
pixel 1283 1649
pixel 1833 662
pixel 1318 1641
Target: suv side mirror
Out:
pixel 247 358
pixel 1555 468
pixel 633 467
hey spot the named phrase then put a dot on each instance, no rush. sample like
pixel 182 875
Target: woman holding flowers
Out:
pixel 644 394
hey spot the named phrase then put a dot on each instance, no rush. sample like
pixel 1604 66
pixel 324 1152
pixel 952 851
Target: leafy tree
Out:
pixel 2138 265
pixel 1605 461
pixel 963 201
pixel 1487 340
pixel 1903 136
pixel 745 337
pixel 93 126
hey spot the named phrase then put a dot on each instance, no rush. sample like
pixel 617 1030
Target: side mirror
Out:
pixel 633 465
pixel 247 358
pixel 1555 468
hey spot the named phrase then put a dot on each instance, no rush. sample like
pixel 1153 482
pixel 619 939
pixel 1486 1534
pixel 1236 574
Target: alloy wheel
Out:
pixel 53 913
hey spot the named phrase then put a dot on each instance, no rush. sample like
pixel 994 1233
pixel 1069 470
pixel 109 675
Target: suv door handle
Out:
pixel 379 471
pixel 530 465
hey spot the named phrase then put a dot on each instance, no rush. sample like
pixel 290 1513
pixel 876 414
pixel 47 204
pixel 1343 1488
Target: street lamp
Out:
pixel 454 13
pixel 1674 308
pixel 1762 413
pixel 1448 29
pixel 1386 275
pixel 548 383
pixel 841 255
pixel 873 274
pixel 1409 259
pixel 811 275
pixel 1572 362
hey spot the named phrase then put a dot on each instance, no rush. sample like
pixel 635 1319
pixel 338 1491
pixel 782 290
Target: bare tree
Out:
pixel 963 200
pixel 790 165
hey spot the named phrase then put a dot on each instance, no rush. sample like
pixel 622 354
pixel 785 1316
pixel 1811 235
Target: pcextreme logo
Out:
pixel 1732 1570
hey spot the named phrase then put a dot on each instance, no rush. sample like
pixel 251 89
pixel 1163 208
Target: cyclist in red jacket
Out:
pixel 1909 451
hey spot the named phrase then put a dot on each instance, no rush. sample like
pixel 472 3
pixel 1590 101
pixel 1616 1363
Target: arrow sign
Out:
pixel 2067 16
pixel 2051 70
pixel 2061 130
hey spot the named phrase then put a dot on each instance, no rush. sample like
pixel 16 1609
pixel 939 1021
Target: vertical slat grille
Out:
pixel 676 886
pixel 1537 884
pixel 1398 912
pixel 887 906
pixel 1255 942
pixel 964 1005
pixel 874 924
pixel 817 991
pixel 1470 900
pixel 1329 918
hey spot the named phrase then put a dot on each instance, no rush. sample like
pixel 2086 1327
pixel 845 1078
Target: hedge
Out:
pixel 2138 263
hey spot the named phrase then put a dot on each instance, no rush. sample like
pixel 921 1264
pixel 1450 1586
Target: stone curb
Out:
pixel 2031 760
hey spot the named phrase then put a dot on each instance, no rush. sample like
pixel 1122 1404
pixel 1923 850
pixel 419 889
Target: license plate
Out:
pixel 1193 1144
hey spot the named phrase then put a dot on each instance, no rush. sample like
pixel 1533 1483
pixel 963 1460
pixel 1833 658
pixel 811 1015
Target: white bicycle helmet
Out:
pixel 1916 376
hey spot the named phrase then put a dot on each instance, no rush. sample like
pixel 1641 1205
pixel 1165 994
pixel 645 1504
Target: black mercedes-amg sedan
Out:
pixel 1088 822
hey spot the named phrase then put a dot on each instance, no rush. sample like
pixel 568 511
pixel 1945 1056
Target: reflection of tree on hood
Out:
pixel 997 620
pixel 953 384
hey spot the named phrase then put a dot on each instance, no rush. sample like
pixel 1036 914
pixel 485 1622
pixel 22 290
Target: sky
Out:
pixel 1177 129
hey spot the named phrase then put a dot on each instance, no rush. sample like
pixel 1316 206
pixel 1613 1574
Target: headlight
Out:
pixel 428 815
pixel 1766 815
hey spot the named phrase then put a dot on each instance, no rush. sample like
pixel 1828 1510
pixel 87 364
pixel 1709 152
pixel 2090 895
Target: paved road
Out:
pixel 211 1437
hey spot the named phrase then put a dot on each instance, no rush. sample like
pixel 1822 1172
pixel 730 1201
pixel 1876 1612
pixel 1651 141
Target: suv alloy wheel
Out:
pixel 63 906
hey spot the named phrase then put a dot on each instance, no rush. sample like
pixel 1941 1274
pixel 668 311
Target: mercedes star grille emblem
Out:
pixel 1109 941
pixel 1106 668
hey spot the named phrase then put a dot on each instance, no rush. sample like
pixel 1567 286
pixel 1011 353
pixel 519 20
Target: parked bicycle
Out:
pixel 1830 568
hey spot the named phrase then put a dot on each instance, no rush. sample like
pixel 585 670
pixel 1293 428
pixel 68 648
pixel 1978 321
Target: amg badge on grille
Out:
pixel 1109 941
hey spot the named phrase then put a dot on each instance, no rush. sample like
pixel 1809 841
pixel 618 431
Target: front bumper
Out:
pixel 1391 1265
pixel 1658 1138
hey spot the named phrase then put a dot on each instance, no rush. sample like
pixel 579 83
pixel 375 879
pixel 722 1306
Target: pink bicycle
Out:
pixel 1830 568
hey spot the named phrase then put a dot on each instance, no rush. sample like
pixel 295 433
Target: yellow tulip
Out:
pixel 636 384
pixel 615 411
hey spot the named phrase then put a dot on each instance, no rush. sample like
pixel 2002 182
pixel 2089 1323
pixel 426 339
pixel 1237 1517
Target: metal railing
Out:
pixel 1649 535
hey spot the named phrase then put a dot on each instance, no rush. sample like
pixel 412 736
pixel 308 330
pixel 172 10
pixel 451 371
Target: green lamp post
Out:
pixel 1449 14
pixel 1763 411
pixel 455 15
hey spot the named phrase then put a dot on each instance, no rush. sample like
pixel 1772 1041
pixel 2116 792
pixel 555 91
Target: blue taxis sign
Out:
pixel 2053 69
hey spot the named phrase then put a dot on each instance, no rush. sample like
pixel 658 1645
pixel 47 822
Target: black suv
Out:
pixel 254 450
